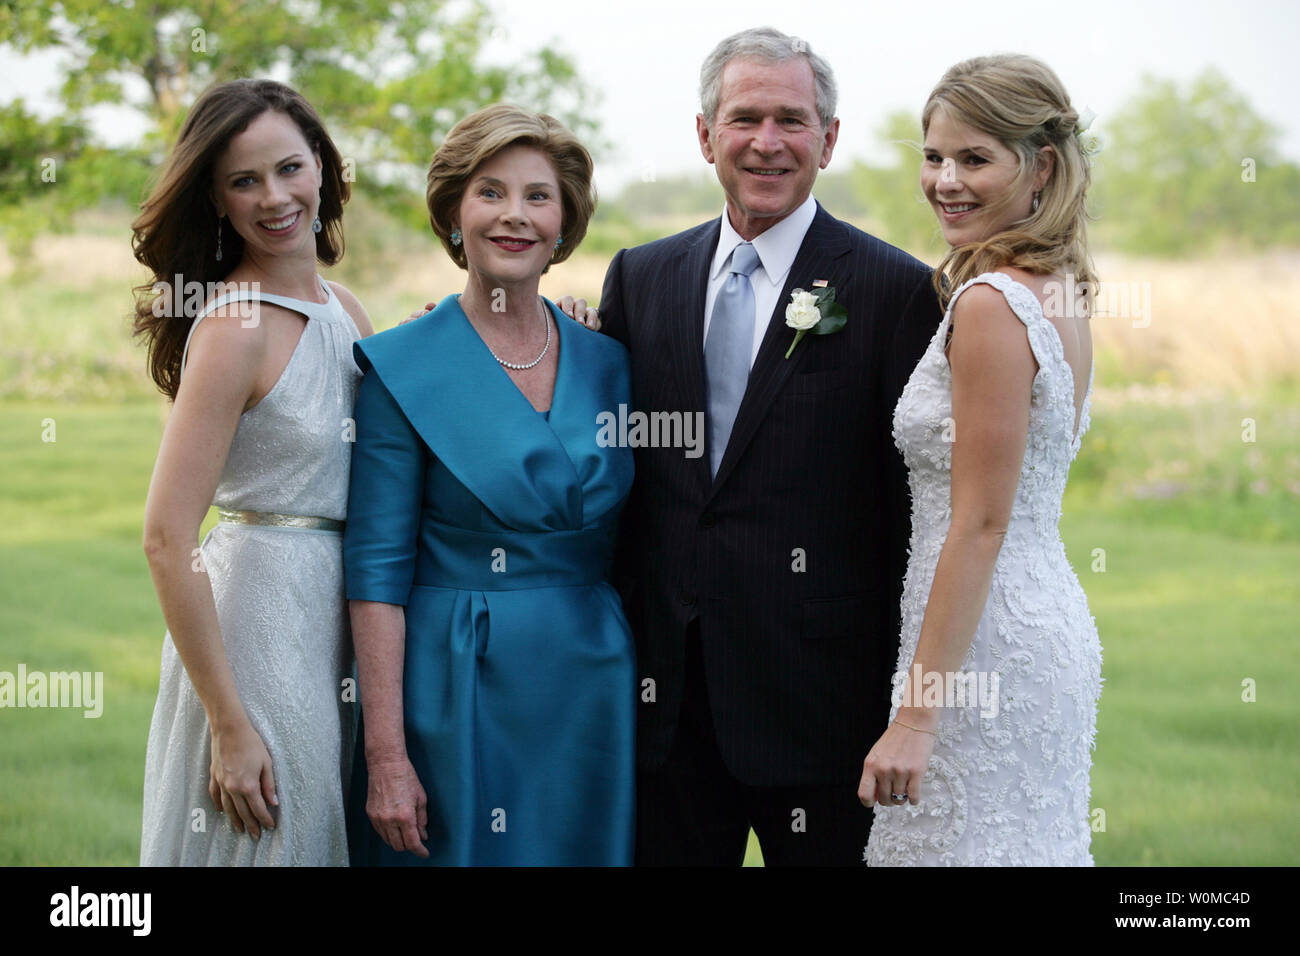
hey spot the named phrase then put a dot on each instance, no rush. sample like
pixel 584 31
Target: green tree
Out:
pixel 389 79
pixel 1188 168
pixel 49 171
pixel 895 205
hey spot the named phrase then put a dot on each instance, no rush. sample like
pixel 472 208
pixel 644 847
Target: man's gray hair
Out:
pixel 771 46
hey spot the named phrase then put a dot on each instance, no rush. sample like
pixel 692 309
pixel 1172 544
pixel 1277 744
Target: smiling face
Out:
pixel 969 179
pixel 510 216
pixel 767 141
pixel 268 182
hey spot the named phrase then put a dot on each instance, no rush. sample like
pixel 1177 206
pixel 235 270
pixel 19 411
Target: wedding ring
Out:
pixel 899 796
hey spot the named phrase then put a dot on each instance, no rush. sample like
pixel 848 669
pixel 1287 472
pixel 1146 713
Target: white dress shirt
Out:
pixel 776 248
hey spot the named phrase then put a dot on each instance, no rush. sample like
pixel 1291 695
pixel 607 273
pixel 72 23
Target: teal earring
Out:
pixel 455 237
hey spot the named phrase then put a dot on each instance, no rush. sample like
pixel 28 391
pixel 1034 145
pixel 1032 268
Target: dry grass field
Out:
pixel 1206 326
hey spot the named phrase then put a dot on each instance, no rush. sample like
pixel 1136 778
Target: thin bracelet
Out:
pixel 919 730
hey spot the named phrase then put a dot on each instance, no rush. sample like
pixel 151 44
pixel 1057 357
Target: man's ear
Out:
pixel 830 137
pixel 706 141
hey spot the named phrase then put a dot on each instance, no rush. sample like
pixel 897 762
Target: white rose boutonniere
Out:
pixel 816 312
pixel 802 312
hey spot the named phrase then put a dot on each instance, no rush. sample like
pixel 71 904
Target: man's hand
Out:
pixel 578 311
pixel 428 307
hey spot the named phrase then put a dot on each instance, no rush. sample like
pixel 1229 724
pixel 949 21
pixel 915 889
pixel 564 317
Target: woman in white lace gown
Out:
pixel 987 757
pixel 250 746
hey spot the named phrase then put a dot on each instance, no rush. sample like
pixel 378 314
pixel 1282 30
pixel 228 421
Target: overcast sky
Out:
pixel 645 58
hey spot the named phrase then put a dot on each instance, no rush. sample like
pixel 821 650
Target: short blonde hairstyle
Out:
pixel 479 137
pixel 1022 103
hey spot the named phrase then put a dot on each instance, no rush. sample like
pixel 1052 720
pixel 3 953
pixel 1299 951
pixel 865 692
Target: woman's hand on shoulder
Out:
pixel 579 311
pixel 353 307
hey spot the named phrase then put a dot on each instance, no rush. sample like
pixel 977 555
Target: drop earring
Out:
pixel 315 224
pixel 219 238
pixel 1035 207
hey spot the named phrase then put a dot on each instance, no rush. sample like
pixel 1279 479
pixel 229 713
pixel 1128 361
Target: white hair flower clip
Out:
pixel 1090 143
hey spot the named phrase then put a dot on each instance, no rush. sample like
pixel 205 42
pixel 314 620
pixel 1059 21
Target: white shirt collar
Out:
pixel 776 246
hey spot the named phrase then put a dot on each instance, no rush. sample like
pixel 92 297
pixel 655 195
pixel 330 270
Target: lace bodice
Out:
pixel 923 423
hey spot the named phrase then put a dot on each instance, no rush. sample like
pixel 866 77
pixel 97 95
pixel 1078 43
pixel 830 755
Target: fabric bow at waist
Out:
pixel 512 560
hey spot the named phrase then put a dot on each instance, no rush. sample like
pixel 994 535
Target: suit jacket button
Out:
pixel 708 519
pixel 687 598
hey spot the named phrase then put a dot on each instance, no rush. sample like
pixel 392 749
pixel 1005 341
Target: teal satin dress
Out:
pixel 493 525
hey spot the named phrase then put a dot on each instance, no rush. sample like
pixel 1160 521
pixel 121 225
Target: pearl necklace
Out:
pixel 545 348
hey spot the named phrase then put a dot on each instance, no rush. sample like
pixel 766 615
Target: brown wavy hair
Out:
pixel 175 233
pixel 1022 103
pixel 479 137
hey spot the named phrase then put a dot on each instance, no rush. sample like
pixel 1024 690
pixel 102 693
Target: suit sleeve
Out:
pixel 613 319
pixel 907 342
pixel 384 499
pixel 911 336
pixel 626 571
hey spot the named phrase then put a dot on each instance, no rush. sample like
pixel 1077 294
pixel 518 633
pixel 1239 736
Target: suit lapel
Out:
pixel 687 333
pixel 824 242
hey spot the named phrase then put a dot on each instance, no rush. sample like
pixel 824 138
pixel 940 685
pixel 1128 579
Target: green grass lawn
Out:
pixel 1186 772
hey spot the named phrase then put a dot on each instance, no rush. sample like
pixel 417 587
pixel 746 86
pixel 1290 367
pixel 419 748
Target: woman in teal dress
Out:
pixel 495 666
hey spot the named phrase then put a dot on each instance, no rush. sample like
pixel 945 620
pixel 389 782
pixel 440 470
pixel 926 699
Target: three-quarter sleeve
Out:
pixel 384 499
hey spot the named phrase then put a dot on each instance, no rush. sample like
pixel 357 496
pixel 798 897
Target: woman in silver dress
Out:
pixel 253 718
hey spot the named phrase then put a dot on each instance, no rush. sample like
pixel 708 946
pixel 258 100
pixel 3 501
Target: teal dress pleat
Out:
pixel 494 527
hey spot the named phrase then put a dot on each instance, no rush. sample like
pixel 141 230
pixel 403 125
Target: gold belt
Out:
pixel 267 518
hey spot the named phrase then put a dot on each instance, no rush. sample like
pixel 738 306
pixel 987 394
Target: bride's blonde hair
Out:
pixel 1021 102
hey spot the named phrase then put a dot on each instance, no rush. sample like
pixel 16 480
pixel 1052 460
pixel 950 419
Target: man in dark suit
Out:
pixel 762 578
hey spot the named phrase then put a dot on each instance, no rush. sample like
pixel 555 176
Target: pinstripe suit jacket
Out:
pixel 792 558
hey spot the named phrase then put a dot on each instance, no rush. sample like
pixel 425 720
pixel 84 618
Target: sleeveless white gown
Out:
pixel 1011 789
pixel 280 604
